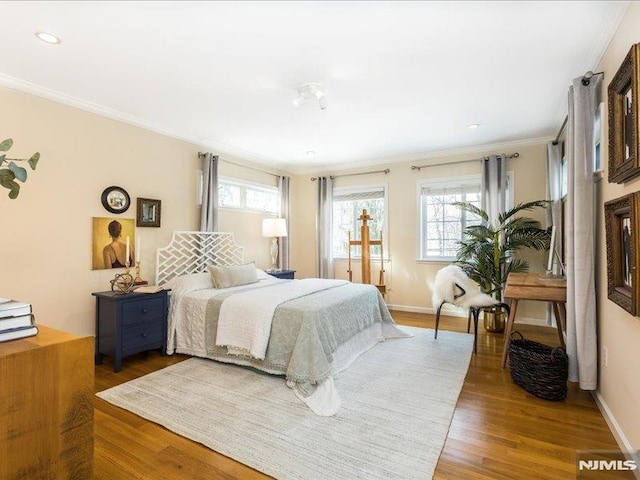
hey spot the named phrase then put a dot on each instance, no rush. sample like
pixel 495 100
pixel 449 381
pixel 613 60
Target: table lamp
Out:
pixel 274 227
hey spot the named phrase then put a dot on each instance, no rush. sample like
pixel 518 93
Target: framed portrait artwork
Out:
pixel 624 145
pixel 623 239
pixel 115 199
pixel 109 246
pixel 148 212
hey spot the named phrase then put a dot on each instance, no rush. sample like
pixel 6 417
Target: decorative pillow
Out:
pixel 233 275
pixel 188 283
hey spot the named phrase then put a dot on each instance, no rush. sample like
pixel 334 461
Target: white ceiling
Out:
pixel 403 79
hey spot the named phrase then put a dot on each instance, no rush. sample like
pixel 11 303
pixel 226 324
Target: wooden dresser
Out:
pixel 46 407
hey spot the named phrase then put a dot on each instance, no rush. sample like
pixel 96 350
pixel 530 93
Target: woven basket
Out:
pixel 540 369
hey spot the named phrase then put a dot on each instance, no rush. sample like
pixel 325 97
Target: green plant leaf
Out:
pixel 7 181
pixel 6 145
pixel 19 172
pixel 2 157
pixel 33 161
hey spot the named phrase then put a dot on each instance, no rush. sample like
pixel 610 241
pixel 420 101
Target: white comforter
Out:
pixel 244 324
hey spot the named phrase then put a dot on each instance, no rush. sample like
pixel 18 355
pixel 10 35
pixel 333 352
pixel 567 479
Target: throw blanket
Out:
pixel 244 322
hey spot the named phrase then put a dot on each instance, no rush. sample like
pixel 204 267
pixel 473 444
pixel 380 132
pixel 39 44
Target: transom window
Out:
pixel 348 204
pixel 234 193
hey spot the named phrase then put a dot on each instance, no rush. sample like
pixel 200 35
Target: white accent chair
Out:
pixel 453 286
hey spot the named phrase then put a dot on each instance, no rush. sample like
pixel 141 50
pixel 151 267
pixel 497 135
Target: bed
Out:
pixel 305 330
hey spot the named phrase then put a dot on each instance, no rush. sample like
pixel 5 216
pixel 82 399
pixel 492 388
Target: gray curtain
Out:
pixel 209 212
pixel 323 227
pixel 554 194
pixel 580 235
pixel 493 188
pixel 285 212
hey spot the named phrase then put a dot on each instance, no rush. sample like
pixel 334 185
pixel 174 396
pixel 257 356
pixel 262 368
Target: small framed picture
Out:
pixel 623 239
pixel 624 124
pixel 148 213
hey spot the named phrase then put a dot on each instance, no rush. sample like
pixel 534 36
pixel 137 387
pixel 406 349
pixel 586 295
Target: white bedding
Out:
pixel 244 324
pixel 187 334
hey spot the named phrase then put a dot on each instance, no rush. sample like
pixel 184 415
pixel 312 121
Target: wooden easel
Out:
pixel 366 243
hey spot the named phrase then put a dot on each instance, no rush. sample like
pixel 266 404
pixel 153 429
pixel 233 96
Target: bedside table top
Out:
pixel 124 296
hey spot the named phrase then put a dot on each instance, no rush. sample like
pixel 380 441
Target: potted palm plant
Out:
pixel 487 252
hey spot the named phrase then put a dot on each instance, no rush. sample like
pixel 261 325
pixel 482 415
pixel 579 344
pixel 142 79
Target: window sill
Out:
pixel 436 260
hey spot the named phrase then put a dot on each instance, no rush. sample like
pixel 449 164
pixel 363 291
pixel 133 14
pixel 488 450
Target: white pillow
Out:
pixel 262 275
pixel 233 275
pixel 188 283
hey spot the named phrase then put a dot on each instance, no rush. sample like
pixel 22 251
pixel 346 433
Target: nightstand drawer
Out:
pixel 139 337
pixel 142 311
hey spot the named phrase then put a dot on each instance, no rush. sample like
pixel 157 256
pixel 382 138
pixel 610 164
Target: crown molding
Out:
pixel 222 149
pixel 420 157
pixel 218 147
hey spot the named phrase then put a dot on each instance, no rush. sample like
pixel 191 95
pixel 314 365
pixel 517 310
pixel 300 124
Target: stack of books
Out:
pixel 16 320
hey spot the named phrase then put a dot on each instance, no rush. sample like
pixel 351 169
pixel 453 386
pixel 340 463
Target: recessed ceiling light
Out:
pixel 48 38
pixel 311 153
pixel 473 125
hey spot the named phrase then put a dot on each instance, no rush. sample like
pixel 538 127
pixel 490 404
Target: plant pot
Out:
pixel 494 320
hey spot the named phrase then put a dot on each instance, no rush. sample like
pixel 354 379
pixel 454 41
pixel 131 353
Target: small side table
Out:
pixel 284 274
pixel 532 286
pixel 129 323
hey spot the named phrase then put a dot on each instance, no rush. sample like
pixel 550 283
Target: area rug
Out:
pixel 397 403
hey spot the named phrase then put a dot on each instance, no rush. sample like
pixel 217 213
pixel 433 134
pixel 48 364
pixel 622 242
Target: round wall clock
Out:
pixel 115 199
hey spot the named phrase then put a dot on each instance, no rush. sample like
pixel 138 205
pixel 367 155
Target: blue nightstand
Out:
pixel 284 274
pixel 129 323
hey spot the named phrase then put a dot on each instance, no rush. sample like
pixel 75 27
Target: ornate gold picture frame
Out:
pixel 623 239
pixel 624 145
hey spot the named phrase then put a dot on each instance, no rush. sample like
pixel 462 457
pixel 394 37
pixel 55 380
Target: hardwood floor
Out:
pixel 498 430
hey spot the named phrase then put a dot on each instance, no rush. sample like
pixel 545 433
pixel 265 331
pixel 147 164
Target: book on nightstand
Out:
pixel 16 333
pixel 149 289
pixel 13 308
pixel 9 323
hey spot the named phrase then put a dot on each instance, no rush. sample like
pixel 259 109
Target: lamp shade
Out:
pixel 274 227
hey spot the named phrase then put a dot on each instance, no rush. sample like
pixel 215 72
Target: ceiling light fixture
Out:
pixel 311 153
pixel 48 38
pixel 473 125
pixel 311 91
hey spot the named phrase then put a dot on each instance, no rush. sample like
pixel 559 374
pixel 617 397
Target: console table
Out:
pixel 531 286
pixel 46 407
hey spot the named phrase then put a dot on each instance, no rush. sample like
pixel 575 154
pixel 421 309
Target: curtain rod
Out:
pixel 385 171
pixel 200 154
pixel 586 80
pixel 414 167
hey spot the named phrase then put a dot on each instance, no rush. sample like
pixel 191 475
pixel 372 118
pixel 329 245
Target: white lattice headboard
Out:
pixel 192 252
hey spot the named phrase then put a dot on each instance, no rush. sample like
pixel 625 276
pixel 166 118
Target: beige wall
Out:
pixel 407 278
pixel 45 251
pixel 619 386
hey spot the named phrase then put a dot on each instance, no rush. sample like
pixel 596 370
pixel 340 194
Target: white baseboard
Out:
pixel 458 312
pixel 618 434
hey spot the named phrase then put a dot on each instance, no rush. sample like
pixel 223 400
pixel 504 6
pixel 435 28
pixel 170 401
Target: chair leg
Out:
pixel 476 314
pixel 438 318
pixel 469 319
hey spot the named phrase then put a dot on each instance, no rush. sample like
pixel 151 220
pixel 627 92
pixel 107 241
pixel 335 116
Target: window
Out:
pixel 442 223
pixel 234 193
pixel 347 207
